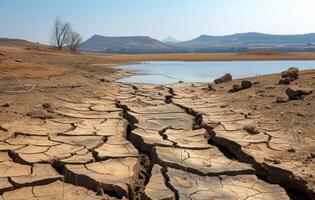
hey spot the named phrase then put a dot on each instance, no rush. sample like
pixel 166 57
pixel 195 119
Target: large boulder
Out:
pixel 246 84
pixel 292 73
pixel 225 78
pixel 284 81
pixel 297 93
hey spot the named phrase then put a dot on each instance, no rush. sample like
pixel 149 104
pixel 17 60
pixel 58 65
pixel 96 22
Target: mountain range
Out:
pixel 241 42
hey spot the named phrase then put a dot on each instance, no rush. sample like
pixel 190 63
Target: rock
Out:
pixel 4 105
pixel 270 87
pixel 246 84
pixel 48 107
pixel 274 161
pixel 251 129
pixel 18 60
pixel 236 87
pixel 284 81
pixel 281 100
pixel 297 93
pixel 225 78
pixel 210 87
pixel 292 73
pixel 39 114
pixel 224 105
pixel 291 150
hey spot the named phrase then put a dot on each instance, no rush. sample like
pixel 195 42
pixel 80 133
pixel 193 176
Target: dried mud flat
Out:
pixel 77 134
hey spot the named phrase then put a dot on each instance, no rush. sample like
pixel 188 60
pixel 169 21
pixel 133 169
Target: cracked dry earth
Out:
pixel 142 142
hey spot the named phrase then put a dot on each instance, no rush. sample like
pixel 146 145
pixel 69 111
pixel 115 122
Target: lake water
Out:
pixel 164 72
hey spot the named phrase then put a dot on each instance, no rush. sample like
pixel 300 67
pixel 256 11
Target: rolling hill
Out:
pixel 250 42
pixel 133 44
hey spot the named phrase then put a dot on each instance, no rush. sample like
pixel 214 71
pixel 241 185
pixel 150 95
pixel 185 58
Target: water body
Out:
pixel 164 72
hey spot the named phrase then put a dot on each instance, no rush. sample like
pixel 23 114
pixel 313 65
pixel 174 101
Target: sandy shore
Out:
pixel 63 118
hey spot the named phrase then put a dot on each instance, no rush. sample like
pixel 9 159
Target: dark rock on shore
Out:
pixel 246 84
pixel 297 93
pixel 223 79
pixel 284 81
pixel 292 73
pixel 251 129
pixel 236 87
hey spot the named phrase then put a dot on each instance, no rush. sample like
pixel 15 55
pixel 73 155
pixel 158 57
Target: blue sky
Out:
pixel 182 19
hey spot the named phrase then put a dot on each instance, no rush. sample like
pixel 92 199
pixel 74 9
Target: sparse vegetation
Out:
pixel 63 35
pixel 74 40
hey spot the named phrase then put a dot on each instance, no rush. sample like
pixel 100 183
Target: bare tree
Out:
pixel 60 33
pixel 74 40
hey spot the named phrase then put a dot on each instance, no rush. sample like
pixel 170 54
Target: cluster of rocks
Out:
pixel 289 75
pixel 293 93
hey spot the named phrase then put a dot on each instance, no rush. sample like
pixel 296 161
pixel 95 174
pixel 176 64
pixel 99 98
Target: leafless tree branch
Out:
pixel 60 33
pixel 74 40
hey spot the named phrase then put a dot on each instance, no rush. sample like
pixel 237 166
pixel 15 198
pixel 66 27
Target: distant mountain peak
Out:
pixel 125 44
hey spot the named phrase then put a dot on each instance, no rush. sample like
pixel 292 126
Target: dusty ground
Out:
pixel 68 131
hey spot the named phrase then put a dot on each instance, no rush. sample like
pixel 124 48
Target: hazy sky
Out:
pixel 182 19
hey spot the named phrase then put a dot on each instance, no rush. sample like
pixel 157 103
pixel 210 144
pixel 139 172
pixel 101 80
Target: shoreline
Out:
pixel 260 56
